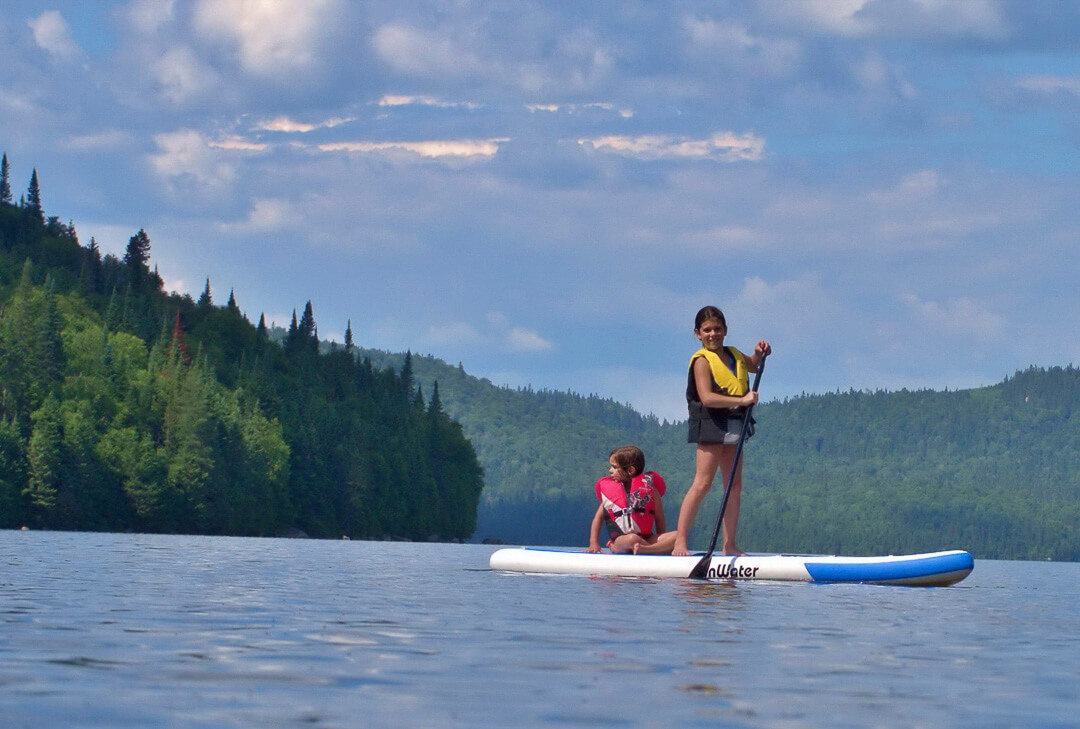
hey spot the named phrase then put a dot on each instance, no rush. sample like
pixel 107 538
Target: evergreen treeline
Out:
pixel 994 470
pixel 126 408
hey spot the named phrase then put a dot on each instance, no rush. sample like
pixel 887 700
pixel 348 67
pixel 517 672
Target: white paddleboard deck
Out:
pixel 930 569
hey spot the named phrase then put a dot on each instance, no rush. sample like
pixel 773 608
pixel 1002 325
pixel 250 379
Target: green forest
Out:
pixel 126 408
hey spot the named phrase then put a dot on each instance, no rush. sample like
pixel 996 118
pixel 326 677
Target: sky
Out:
pixel 547 192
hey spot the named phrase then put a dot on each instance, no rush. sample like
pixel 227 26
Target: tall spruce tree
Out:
pixel 307 322
pixel 206 299
pixel 33 198
pixel 348 337
pixel 5 181
pixel 407 377
pixel 48 350
pixel 44 455
pixel 138 250
pixel 137 257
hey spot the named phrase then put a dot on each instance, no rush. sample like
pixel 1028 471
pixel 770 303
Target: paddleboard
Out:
pixel 933 569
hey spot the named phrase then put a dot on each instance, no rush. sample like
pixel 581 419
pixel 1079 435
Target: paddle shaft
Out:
pixel 701 569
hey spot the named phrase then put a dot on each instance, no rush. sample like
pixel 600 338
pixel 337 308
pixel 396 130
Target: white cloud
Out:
pixel 186 156
pixel 109 139
pixel 957 316
pixel 181 76
pixel 932 226
pixel 723 237
pixel 515 338
pixel 434 149
pixel 271 38
pixel 841 17
pixel 916 186
pixel 147 16
pixel 53 35
pixel 624 112
pixel 791 312
pixel 875 73
pixel 519 339
pixel 285 124
pixel 733 44
pixel 237 143
pixel 875 18
pixel 1048 85
pixel 416 52
pixel 406 100
pixel 722 146
pixel 265 216
pixel 496 334
pixel 16 103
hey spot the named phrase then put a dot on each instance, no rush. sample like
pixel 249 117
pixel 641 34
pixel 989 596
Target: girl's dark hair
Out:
pixel 627 457
pixel 709 312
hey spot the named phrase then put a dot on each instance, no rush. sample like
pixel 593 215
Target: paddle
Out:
pixel 701 569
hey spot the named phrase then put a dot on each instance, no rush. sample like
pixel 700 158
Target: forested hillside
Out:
pixel 995 470
pixel 126 408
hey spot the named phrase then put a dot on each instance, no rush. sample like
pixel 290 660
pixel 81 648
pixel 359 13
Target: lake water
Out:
pixel 107 630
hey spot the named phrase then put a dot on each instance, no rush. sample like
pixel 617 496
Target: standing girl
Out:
pixel 717 390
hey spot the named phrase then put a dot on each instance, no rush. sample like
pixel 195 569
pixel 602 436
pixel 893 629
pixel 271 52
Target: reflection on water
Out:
pixel 134 631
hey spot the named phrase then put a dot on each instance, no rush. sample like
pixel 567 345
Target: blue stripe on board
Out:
pixel 882 571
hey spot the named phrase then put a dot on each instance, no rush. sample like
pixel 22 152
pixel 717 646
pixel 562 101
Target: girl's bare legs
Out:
pixel 626 543
pixel 710 458
pixel 706 461
pixel 663 544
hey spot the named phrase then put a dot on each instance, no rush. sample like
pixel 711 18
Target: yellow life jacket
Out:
pixel 734 384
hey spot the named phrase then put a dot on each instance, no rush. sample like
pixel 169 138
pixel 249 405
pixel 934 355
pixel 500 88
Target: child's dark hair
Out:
pixel 706 313
pixel 628 457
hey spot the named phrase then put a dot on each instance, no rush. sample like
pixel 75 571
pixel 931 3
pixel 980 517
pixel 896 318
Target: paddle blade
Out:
pixel 701 569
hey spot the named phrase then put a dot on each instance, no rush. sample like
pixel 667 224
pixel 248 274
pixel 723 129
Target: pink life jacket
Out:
pixel 633 512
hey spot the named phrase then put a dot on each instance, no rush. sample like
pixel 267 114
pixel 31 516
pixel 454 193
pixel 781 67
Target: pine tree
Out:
pixel 49 349
pixel 90 270
pixel 137 254
pixel 136 258
pixel 113 315
pixel 44 456
pixel 232 300
pixel 206 300
pixel 33 198
pixel 435 406
pixel 407 375
pixel 5 181
pixel 307 322
pixel 260 331
pixel 348 337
